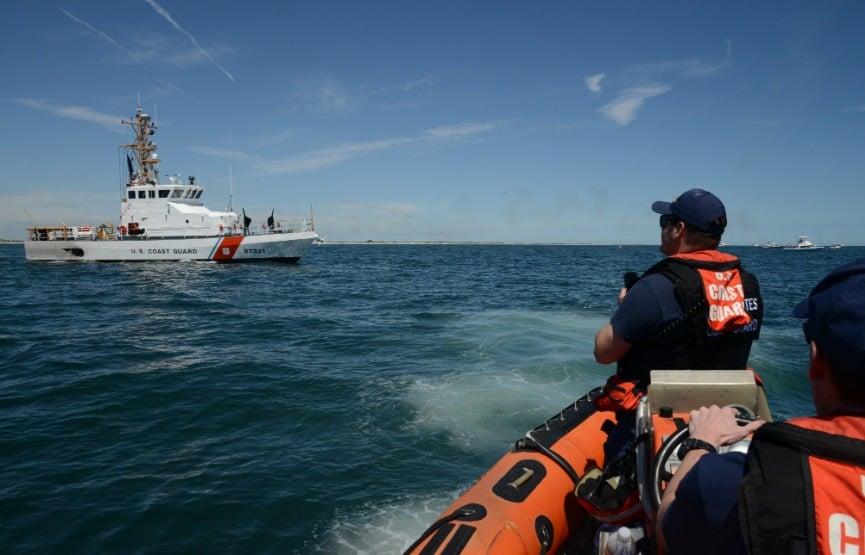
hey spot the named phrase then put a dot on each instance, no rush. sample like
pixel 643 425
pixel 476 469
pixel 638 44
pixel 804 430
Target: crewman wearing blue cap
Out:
pixel 696 309
pixel 801 487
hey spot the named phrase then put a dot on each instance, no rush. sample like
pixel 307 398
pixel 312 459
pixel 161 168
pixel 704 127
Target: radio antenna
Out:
pixel 230 188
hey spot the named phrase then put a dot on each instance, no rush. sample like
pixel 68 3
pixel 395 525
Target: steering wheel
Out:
pixel 660 474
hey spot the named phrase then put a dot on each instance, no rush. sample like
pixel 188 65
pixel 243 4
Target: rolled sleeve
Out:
pixel 638 316
pixel 704 515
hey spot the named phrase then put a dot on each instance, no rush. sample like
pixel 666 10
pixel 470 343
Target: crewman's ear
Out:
pixel 819 366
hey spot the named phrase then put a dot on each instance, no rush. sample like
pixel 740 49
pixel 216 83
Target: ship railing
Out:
pixel 104 232
pixel 282 226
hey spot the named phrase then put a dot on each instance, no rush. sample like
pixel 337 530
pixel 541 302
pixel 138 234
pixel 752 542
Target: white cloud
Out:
pixel 460 131
pixel 321 158
pixel 80 113
pixel 857 108
pixel 175 51
pixel 593 82
pixel 97 32
pixel 133 56
pixel 686 68
pixel 167 16
pixel 274 139
pixel 320 94
pixel 625 107
pixel 220 152
pixel 424 81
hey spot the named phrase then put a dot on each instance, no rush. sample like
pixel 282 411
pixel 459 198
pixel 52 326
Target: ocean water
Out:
pixel 333 406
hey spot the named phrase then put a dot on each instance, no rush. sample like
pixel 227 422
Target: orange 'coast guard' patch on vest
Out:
pixel 726 298
pixel 724 292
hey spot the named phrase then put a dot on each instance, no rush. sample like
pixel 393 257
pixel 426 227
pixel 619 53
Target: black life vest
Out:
pixel 804 489
pixel 688 342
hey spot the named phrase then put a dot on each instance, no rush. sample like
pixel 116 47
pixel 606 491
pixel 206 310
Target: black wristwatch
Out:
pixel 693 443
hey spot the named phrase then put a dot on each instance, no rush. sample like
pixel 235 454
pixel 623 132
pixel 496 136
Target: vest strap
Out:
pixel 814 443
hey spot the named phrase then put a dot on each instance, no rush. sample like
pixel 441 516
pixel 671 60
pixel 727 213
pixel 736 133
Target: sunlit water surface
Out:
pixel 336 405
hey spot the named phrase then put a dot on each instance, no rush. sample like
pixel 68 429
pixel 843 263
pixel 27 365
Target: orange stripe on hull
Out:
pixel 227 247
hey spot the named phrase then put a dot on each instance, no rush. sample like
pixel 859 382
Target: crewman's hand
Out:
pixel 622 293
pixel 718 426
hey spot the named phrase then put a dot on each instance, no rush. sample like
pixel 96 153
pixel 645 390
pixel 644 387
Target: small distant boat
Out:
pixel 803 245
pixel 770 245
pixel 835 246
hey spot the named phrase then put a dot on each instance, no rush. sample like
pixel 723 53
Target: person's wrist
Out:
pixel 694 444
pixel 711 439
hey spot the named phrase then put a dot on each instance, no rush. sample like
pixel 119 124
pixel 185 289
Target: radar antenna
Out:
pixel 143 149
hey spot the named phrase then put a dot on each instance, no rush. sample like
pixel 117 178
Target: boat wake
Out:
pixel 390 527
pixel 516 367
pixel 497 374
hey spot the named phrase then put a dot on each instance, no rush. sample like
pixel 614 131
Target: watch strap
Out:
pixel 692 443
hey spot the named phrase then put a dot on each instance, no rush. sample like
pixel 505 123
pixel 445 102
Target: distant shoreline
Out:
pixel 524 243
pixel 501 243
pixel 445 243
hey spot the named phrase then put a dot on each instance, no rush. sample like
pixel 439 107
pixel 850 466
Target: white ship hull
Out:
pixel 231 248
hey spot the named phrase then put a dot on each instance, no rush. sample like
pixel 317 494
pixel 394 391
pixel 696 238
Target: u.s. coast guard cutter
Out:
pixel 167 221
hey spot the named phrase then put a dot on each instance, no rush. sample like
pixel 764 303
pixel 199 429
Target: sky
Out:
pixel 445 121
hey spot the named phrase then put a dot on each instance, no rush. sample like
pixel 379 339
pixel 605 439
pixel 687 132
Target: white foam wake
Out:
pixel 379 529
pixel 516 370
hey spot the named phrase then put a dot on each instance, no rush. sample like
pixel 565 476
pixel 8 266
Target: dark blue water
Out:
pixel 336 405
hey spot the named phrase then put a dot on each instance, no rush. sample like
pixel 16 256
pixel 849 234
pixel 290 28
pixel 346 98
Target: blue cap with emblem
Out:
pixel 835 312
pixel 696 207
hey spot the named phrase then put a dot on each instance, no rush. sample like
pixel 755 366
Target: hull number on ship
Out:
pixel 253 251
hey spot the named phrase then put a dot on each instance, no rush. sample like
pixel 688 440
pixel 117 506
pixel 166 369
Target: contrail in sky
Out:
pixel 98 32
pixel 129 53
pixel 161 11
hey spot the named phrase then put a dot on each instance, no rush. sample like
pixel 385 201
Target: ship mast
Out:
pixel 143 150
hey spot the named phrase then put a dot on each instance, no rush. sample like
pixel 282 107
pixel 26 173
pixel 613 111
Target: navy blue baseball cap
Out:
pixel 697 207
pixel 835 312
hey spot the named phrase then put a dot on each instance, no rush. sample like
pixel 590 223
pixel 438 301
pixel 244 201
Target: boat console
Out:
pixel 663 414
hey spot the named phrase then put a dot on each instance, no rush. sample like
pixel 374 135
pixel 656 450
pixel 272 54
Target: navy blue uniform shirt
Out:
pixel 649 305
pixel 704 518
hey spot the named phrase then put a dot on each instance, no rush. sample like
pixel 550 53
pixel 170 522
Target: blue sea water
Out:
pixel 332 406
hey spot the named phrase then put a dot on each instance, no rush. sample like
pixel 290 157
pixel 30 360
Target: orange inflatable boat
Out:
pixel 528 502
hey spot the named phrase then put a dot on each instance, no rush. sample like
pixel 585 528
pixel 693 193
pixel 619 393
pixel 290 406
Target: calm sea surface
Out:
pixel 336 405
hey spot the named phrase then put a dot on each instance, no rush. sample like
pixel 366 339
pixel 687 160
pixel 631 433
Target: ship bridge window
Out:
pixel 198 194
pixel 163 193
pixel 142 194
pixel 186 195
pixel 151 194
pixel 131 194
pixel 177 193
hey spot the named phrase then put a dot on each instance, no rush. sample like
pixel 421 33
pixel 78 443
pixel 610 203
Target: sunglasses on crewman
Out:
pixel 669 219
